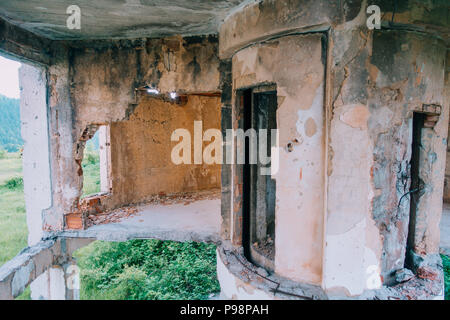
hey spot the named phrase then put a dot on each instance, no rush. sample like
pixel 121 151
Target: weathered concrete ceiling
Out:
pixel 106 19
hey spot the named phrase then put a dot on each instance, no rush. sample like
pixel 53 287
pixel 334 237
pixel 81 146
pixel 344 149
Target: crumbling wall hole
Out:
pixel 97 139
pixel 93 151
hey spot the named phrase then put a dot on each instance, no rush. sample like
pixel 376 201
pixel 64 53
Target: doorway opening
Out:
pixel 416 186
pixel 259 189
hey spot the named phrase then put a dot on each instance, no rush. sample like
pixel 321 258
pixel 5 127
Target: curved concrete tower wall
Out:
pixel 348 94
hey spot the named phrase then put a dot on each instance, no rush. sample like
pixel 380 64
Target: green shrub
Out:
pixel 91 153
pixel 446 263
pixel 92 158
pixel 21 209
pixel 148 270
pixel 3 153
pixel 14 183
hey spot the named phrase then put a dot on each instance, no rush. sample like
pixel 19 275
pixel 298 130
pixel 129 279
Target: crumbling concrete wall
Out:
pixel 296 65
pixel 95 83
pixel 105 75
pixel 46 130
pixel 64 168
pixel 226 168
pixel 407 72
pixel 271 18
pixel 141 148
pixel 447 165
pixel 374 82
pixel 446 193
pixel 41 123
pixel 403 71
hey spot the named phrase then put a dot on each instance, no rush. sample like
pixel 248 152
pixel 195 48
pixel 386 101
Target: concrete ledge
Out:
pixel 18 273
pixel 261 20
pixel 241 280
pixel 17 42
pixel 197 221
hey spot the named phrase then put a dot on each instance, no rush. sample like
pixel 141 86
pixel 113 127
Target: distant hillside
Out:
pixel 10 137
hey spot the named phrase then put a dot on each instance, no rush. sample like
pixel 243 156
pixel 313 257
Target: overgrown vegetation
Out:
pixel 139 269
pixel 15 183
pixel 13 226
pixel 446 263
pixel 147 270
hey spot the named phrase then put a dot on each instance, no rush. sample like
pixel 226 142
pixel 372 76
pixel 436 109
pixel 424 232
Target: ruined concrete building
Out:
pixel 361 114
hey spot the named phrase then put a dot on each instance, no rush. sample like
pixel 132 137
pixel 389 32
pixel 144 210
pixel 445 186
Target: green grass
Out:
pixel 91 171
pixel 10 166
pixel 13 225
pixel 26 295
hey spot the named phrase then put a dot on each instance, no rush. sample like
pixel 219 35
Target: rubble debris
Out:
pixel 427 273
pixel 263 272
pixel 265 247
pixel 185 198
pixel 111 216
pixel 117 215
pixel 403 275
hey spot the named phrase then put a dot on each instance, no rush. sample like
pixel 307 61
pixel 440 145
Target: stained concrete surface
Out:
pixel 294 63
pixel 141 150
pixel 107 19
pixel 445 230
pixel 195 221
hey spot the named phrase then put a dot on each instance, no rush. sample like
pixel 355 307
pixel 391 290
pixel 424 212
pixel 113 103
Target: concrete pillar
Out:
pixel 72 280
pixel 36 154
pixel 50 285
pixel 57 283
pixel 36 171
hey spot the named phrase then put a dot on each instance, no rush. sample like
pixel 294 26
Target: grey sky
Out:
pixel 9 78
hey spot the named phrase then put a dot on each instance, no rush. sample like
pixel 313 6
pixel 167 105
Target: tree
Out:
pixel 10 136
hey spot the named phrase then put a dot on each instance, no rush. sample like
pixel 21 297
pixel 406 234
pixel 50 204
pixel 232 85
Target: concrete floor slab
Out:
pixel 194 221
